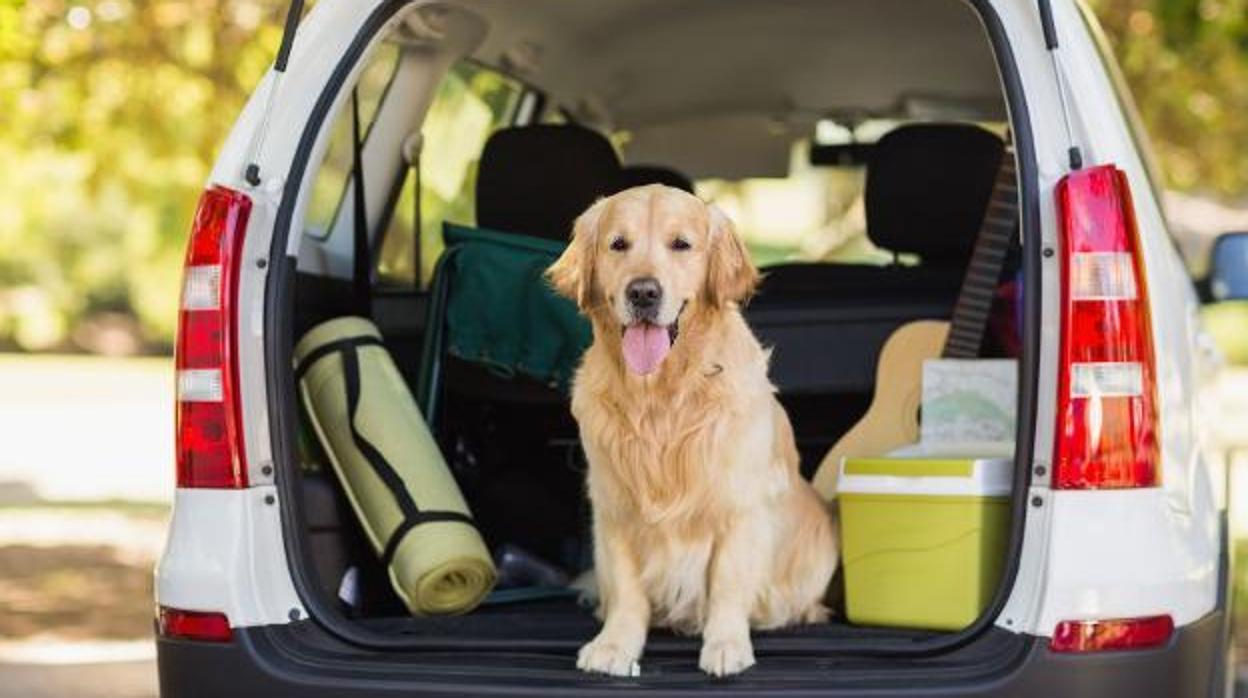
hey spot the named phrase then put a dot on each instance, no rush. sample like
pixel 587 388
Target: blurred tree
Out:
pixel 1186 62
pixel 110 113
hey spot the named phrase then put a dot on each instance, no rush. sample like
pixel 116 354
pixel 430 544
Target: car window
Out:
pixel 330 185
pixel 816 213
pixel 472 102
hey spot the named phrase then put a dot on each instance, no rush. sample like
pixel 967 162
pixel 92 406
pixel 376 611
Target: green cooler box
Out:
pixel 923 538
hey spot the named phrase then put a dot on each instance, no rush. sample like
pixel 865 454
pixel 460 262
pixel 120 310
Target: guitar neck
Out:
pixel 979 286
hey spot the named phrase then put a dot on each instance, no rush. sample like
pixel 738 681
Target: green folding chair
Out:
pixel 491 306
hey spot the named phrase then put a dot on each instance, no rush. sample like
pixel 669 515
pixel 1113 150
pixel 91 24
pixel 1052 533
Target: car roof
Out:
pixel 694 74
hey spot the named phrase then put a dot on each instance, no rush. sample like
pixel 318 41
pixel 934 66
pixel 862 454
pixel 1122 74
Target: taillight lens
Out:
pixel 193 625
pixel 209 433
pixel 1107 414
pixel 1103 635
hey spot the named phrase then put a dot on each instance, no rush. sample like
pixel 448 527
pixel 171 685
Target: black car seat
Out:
pixel 927 188
pixel 926 191
pixel 641 175
pixel 535 180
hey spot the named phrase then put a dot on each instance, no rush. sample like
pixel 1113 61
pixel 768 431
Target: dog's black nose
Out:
pixel 644 295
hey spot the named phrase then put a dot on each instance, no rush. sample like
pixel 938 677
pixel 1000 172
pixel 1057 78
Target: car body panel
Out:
pixel 1109 554
pixel 224 554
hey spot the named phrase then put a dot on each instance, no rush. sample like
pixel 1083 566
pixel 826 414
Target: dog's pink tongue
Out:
pixel 645 346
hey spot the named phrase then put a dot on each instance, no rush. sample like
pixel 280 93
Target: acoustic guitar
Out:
pixel 892 419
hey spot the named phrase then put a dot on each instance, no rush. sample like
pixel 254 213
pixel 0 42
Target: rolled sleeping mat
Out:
pixel 393 473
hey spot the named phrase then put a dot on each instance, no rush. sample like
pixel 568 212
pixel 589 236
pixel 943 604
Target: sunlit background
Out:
pixel 110 114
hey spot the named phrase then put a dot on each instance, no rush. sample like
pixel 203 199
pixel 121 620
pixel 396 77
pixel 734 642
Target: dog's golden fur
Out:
pixel 702 521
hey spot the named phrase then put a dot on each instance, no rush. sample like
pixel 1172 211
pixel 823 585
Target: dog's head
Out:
pixel 647 257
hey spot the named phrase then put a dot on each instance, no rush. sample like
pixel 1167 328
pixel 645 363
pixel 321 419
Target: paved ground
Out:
pixel 101 680
pixel 75 600
pixel 86 428
pixel 76 579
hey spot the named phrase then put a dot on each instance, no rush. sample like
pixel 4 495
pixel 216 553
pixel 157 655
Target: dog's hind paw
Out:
pixel 817 613
pixel 726 657
pixel 606 657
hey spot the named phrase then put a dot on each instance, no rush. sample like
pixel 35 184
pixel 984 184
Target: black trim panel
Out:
pixel 282 661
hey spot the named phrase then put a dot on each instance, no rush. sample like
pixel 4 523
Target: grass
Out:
pixel 1239 599
pixel 1228 323
pixel 128 507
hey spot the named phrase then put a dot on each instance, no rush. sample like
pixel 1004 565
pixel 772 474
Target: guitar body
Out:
pixel 892 420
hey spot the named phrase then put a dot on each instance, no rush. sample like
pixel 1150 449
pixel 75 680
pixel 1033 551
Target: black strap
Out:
pixel 979 285
pixel 412 514
pixel 361 277
pixel 421 517
pixel 335 346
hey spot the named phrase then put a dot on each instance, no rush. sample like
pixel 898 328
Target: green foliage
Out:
pixel 1186 62
pixel 110 114
pixel 1227 322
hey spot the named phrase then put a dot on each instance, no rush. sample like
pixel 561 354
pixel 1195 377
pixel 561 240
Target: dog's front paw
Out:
pixel 726 657
pixel 602 656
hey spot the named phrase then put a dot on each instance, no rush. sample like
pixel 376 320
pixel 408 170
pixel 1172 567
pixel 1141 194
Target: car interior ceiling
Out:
pixel 511 442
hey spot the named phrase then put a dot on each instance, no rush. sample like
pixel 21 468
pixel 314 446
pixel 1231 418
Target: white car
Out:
pixel 855 142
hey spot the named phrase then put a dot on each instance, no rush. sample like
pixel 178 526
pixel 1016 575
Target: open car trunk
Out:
pixel 510 441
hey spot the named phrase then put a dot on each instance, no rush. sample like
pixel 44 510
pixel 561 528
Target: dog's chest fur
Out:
pixel 660 474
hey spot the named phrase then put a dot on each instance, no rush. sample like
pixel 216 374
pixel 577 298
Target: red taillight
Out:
pixel 193 625
pixel 209 433
pixel 1106 402
pixel 1101 635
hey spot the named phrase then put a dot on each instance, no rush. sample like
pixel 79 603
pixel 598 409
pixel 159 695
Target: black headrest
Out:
pixel 535 180
pixel 641 175
pixel 927 188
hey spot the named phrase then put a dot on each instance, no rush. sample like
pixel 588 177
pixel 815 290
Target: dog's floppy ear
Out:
pixel 572 275
pixel 730 275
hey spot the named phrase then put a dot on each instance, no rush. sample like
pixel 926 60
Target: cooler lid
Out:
pixel 981 477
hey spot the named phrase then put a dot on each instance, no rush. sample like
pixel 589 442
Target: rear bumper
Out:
pixel 274 663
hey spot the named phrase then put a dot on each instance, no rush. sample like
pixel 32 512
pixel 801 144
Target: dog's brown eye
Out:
pixel 680 244
pixel 619 245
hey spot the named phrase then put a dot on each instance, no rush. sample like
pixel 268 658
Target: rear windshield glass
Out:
pixel 816 213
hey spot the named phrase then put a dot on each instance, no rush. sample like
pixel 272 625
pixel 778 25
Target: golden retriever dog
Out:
pixel 702 521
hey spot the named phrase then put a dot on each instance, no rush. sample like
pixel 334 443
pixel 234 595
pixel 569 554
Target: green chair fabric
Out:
pixel 500 311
